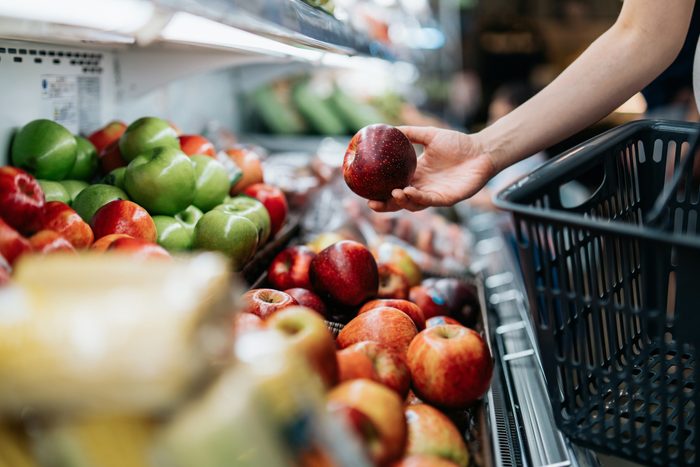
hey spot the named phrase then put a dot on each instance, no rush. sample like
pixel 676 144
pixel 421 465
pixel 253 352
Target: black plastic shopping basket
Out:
pixel 614 288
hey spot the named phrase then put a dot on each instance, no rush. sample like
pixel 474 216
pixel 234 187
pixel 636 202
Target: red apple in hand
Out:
pixel 432 302
pixel 431 433
pixel 48 241
pixel 61 218
pixel 290 268
pixel 419 460
pixel 345 273
pixel 124 217
pixel 438 320
pixel 308 299
pixel 379 159
pixel 392 282
pixel 385 325
pixel 12 244
pixel 107 135
pixel 375 361
pixel 110 158
pixel 265 302
pixel 21 199
pixel 383 408
pixel 196 144
pixel 103 244
pixel 138 248
pixel 410 308
pixel 274 201
pixel 450 365
pixel 307 334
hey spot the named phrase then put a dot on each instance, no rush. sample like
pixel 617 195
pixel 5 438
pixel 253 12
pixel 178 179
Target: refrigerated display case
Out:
pixel 83 63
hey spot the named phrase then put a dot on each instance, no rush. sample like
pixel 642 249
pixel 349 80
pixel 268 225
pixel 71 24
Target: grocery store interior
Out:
pixel 191 274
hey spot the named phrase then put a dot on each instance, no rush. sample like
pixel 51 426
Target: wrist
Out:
pixel 490 149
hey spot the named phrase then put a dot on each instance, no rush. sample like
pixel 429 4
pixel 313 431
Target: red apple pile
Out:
pixel 142 188
pixel 395 367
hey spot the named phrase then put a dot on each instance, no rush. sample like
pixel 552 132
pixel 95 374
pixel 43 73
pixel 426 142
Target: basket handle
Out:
pixel 656 216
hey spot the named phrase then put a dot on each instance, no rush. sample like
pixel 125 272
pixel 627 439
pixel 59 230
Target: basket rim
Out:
pixel 512 197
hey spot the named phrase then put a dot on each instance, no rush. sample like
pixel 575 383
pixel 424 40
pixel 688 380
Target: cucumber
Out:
pixel 354 113
pixel 277 114
pixel 316 111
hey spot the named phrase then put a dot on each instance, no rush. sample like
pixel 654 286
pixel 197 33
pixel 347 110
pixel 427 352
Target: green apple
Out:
pixel 73 187
pixel 252 209
pixel 189 218
pixel 116 178
pixel 145 134
pixel 94 197
pixel 173 235
pixel 212 182
pixel 234 235
pixel 161 180
pixel 85 160
pixel 54 191
pixel 44 148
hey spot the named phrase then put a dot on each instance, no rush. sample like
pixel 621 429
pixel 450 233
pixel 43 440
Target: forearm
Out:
pixel 617 65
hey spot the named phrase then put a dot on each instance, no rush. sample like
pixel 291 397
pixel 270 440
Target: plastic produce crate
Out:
pixel 614 288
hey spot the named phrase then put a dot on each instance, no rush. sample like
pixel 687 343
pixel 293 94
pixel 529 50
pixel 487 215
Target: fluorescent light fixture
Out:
pixel 636 104
pixel 120 16
pixel 192 29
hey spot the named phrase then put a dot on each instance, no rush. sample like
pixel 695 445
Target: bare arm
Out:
pixel 643 42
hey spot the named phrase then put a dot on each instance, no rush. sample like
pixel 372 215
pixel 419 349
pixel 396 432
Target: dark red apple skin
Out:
pixel 110 158
pixel 61 218
pixel 308 299
pixel 379 159
pixel 411 309
pixel 124 217
pixel 274 201
pixel 265 302
pixel 21 200
pixel 429 300
pixel 345 273
pixel 107 135
pixel 48 241
pixel 12 243
pixel 290 268
pixel 461 298
pixel 386 325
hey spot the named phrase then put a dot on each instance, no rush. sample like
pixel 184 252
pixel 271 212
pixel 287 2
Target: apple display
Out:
pixel 451 366
pixel 146 134
pixel 274 201
pixel 306 332
pixel 290 268
pixel 410 308
pixel 63 220
pixel 161 180
pixel 265 302
pixel 431 433
pixel 44 148
pixel 21 199
pixel 379 159
pixel 308 299
pixel 385 325
pixel 124 217
pixel 375 361
pixel 384 409
pixel 345 273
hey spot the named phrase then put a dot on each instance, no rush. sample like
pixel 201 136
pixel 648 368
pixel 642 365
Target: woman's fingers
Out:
pixel 405 201
pixel 384 206
pixel 418 134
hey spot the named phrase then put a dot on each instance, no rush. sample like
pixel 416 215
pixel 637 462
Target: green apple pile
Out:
pixel 193 193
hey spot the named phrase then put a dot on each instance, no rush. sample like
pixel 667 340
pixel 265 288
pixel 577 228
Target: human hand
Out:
pixel 453 167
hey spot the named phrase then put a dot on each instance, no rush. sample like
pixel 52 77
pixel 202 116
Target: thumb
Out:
pixel 422 135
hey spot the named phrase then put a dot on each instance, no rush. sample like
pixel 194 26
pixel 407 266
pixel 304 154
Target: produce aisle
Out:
pixel 190 274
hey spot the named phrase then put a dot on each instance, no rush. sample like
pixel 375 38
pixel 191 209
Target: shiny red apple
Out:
pixel 248 160
pixel 385 325
pixel 375 361
pixel 124 217
pixel 48 241
pixel 432 433
pixel 61 218
pixel 196 144
pixel 451 366
pixel 265 302
pixel 345 273
pixel 410 308
pixel 379 159
pixel 12 243
pixel 21 200
pixel 290 268
pixel 107 135
pixel 274 201
pixel 308 299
